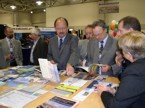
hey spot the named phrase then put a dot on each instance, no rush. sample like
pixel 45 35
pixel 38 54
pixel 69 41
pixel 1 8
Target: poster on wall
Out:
pixel 47 32
pixel 108 7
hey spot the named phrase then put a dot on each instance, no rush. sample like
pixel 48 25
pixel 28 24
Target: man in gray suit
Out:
pixel 63 48
pixel 102 49
pixel 125 25
pixel 11 48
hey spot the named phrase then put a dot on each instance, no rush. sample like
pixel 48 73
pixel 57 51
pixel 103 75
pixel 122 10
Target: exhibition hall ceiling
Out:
pixel 31 5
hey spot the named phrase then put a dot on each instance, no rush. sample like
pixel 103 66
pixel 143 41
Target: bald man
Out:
pixel 11 48
pixel 63 48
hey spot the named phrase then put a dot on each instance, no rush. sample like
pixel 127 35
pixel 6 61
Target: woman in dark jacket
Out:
pixel 131 91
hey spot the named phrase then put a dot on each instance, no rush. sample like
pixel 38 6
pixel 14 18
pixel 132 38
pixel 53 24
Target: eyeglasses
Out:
pixel 99 34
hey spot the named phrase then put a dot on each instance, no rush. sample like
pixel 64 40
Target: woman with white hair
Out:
pixel 131 91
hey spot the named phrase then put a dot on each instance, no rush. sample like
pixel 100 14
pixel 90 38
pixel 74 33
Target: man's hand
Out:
pixel 102 87
pixel 119 58
pixel 105 68
pixel 8 57
pixel 69 70
pixel 52 62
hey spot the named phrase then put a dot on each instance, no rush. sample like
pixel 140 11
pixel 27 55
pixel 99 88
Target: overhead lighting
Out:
pixel 44 10
pixel 31 12
pixel 13 7
pixel 39 2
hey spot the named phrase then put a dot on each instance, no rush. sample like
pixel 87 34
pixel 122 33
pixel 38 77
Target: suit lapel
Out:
pixel 56 47
pixel 96 50
pixel 107 46
pixel 7 49
pixel 67 38
pixel 14 46
pixel 37 45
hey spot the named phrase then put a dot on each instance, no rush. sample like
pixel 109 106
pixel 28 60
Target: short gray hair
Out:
pixel 36 31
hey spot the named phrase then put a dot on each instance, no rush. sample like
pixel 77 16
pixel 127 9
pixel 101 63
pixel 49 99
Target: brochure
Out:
pixel 58 102
pixel 49 70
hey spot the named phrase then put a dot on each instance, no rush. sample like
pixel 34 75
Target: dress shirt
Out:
pixel 32 50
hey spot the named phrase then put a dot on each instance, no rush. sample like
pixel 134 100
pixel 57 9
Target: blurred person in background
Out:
pixel 39 48
pixel 11 48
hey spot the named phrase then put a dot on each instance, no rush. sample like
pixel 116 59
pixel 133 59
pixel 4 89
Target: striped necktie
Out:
pixel 11 49
pixel 100 55
pixel 101 50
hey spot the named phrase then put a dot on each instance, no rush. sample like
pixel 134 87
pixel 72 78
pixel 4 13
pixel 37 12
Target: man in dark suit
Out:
pixel 63 48
pixel 39 48
pixel 102 49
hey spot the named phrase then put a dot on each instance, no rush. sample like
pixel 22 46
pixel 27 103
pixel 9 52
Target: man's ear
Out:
pixel 131 29
pixel 105 30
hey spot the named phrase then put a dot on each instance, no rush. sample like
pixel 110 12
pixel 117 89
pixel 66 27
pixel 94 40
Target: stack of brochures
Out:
pixel 81 96
pixel 69 86
pixel 25 69
pixel 49 70
pixel 58 102
pixel 16 99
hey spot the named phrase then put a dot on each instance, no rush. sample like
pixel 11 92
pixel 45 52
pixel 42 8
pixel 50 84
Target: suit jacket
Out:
pixel 17 50
pixel 108 53
pixel 131 91
pixel 40 51
pixel 68 52
pixel 2 59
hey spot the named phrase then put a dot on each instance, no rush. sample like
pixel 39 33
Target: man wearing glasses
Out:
pixel 125 25
pixel 102 49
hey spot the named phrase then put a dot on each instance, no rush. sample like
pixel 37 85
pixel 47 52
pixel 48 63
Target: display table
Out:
pixel 93 101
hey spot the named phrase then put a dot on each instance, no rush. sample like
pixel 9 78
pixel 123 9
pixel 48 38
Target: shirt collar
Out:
pixel 61 38
pixel 8 40
pixel 105 40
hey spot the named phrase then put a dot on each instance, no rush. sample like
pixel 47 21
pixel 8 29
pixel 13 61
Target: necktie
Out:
pixel 60 44
pixel 100 55
pixel 101 47
pixel 11 49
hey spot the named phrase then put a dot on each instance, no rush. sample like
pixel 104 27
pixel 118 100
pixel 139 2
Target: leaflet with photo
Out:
pixel 58 102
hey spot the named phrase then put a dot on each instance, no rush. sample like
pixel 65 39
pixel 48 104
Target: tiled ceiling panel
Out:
pixel 28 5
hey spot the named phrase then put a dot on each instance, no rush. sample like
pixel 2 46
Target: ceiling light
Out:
pixel 31 12
pixel 13 7
pixel 39 2
pixel 44 10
